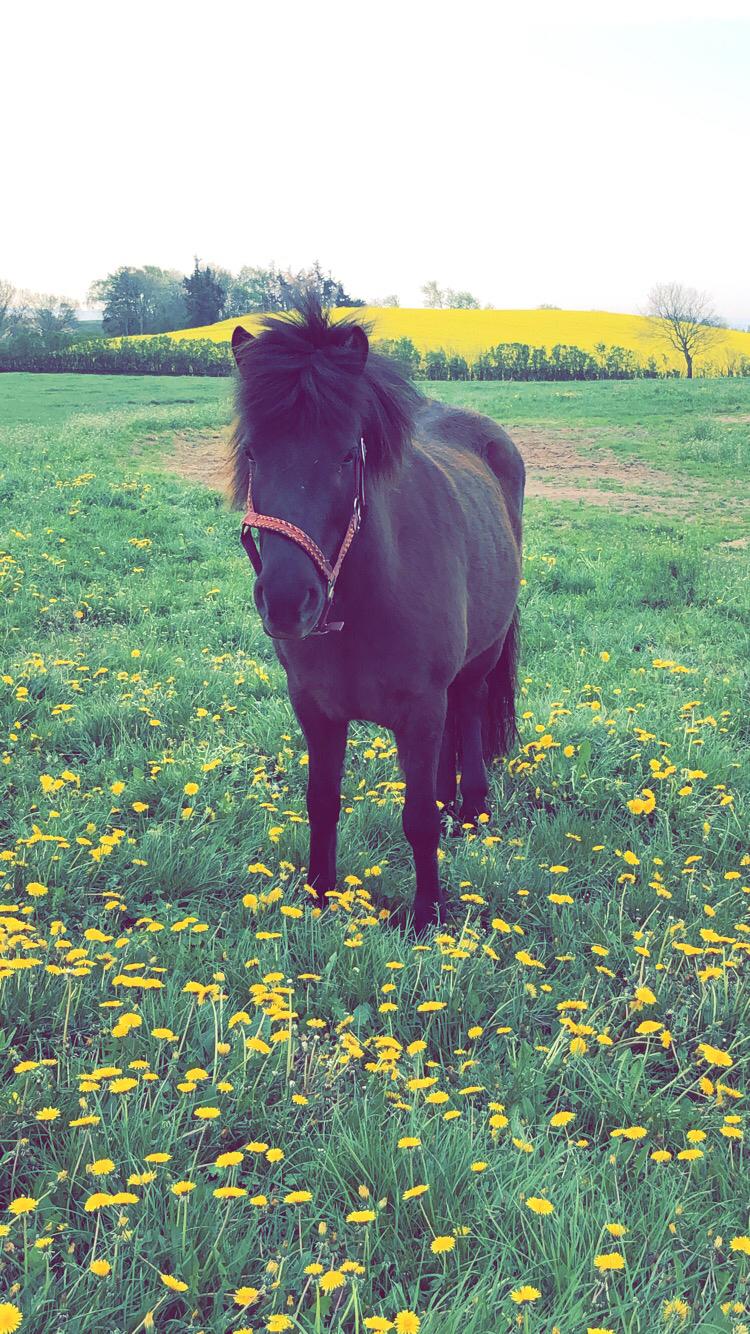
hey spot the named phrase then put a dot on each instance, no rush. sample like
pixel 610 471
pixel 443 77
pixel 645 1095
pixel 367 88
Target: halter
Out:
pixel 252 519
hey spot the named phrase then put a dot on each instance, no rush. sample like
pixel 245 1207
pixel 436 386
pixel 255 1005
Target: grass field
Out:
pixel 225 1110
pixel 470 332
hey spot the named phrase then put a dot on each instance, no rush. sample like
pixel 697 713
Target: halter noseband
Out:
pixel 252 519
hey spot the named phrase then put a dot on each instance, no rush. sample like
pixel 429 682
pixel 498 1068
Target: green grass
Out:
pixel 131 656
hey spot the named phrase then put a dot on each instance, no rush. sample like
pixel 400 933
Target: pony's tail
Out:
pixel 499 731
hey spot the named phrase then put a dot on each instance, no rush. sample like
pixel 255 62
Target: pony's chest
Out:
pixel 353 685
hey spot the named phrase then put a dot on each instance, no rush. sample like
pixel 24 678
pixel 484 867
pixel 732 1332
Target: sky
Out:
pixel 562 155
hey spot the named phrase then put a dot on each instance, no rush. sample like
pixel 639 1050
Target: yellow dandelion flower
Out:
pixel 539 1206
pixel 740 1244
pixel 612 1260
pixel 525 1294
pixel 409 1142
pixel 246 1296
pixel 101 1268
pixel 100 1167
pixel 298 1197
pixel 442 1244
pixel 23 1204
pixel 413 1192
pixel 182 1187
pixel 361 1216
pixel 407 1322
pixel 714 1055
pixel 174 1284
pixel 232 1159
pixel 10 1318
pixel 332 1279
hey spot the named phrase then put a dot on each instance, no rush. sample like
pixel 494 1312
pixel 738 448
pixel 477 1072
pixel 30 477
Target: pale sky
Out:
pixel 573 155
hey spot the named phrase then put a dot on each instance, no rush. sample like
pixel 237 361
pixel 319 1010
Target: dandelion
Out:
pixel 407 1322
pixel 101 1268
pixel 23 1204
pixel 101 1167
pixel 613 1260
pixel 174 1284
pixel 277 1324
pixel 525 1294
pixel 298 1197
pixel 714 1055
pixel 562 1119
pixel 361 1216
pixel 182 1187
pixel 378 1323
pixel 245 1296
pixel 740 1244
pixel 414 1191
pixel 333 1279
pixel 409 1142
pixel 439 1245
pixel 539 1206
pixel 10 1318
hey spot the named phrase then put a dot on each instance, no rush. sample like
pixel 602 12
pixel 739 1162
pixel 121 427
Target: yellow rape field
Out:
pixel 470 332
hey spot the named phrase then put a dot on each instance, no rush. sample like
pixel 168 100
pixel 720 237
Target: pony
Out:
pixel 401 518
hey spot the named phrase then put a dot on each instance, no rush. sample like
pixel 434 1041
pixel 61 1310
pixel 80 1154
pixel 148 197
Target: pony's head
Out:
pixel 308 391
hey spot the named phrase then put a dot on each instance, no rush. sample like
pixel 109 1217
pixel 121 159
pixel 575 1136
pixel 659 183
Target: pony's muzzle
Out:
pixel 289 611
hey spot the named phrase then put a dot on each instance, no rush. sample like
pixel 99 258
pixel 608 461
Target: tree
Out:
pixel 53 319
pixel 433 295
pixel 7 298
pixel 685 319
pixel 138 301
pixel 391 302
pixel 436 298
pixel 205 295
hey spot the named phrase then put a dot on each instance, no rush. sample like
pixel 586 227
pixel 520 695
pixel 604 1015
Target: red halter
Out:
pixel 252 519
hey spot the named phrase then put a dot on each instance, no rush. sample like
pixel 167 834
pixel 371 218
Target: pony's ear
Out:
pixel 356 344
pixel 240 340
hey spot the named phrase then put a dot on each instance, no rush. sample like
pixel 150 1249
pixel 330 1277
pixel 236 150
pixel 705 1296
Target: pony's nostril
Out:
pixel 311 597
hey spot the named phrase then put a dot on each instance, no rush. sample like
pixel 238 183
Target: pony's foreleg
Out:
pixel 419 739
pixel 326 746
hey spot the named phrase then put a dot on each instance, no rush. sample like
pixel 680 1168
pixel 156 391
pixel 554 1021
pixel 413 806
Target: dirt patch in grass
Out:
pixel 199 456
pixel 568 465
pixel 561 464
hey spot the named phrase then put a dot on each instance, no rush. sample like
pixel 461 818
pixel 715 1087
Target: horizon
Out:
pixel 546 164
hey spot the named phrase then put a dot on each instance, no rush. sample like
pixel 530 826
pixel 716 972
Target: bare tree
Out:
pixel 446 298
pixel 434 296
pixel 7 296
pixel 685 319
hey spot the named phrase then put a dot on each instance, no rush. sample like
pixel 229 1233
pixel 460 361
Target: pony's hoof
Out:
pixel 432 914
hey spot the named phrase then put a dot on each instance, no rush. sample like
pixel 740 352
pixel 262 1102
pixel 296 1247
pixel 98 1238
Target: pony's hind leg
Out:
pixel 471 709
pixel 445 790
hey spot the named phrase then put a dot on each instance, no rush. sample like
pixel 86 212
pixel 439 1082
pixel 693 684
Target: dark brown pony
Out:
pixel 417 631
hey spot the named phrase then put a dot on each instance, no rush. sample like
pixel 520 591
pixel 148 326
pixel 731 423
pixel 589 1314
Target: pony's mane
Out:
pixel 302 370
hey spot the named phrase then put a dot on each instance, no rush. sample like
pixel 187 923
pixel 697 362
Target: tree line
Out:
pixel 161 355
pixel 152 300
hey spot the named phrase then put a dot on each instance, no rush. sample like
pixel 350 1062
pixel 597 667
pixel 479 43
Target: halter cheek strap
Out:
pixel 254 519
